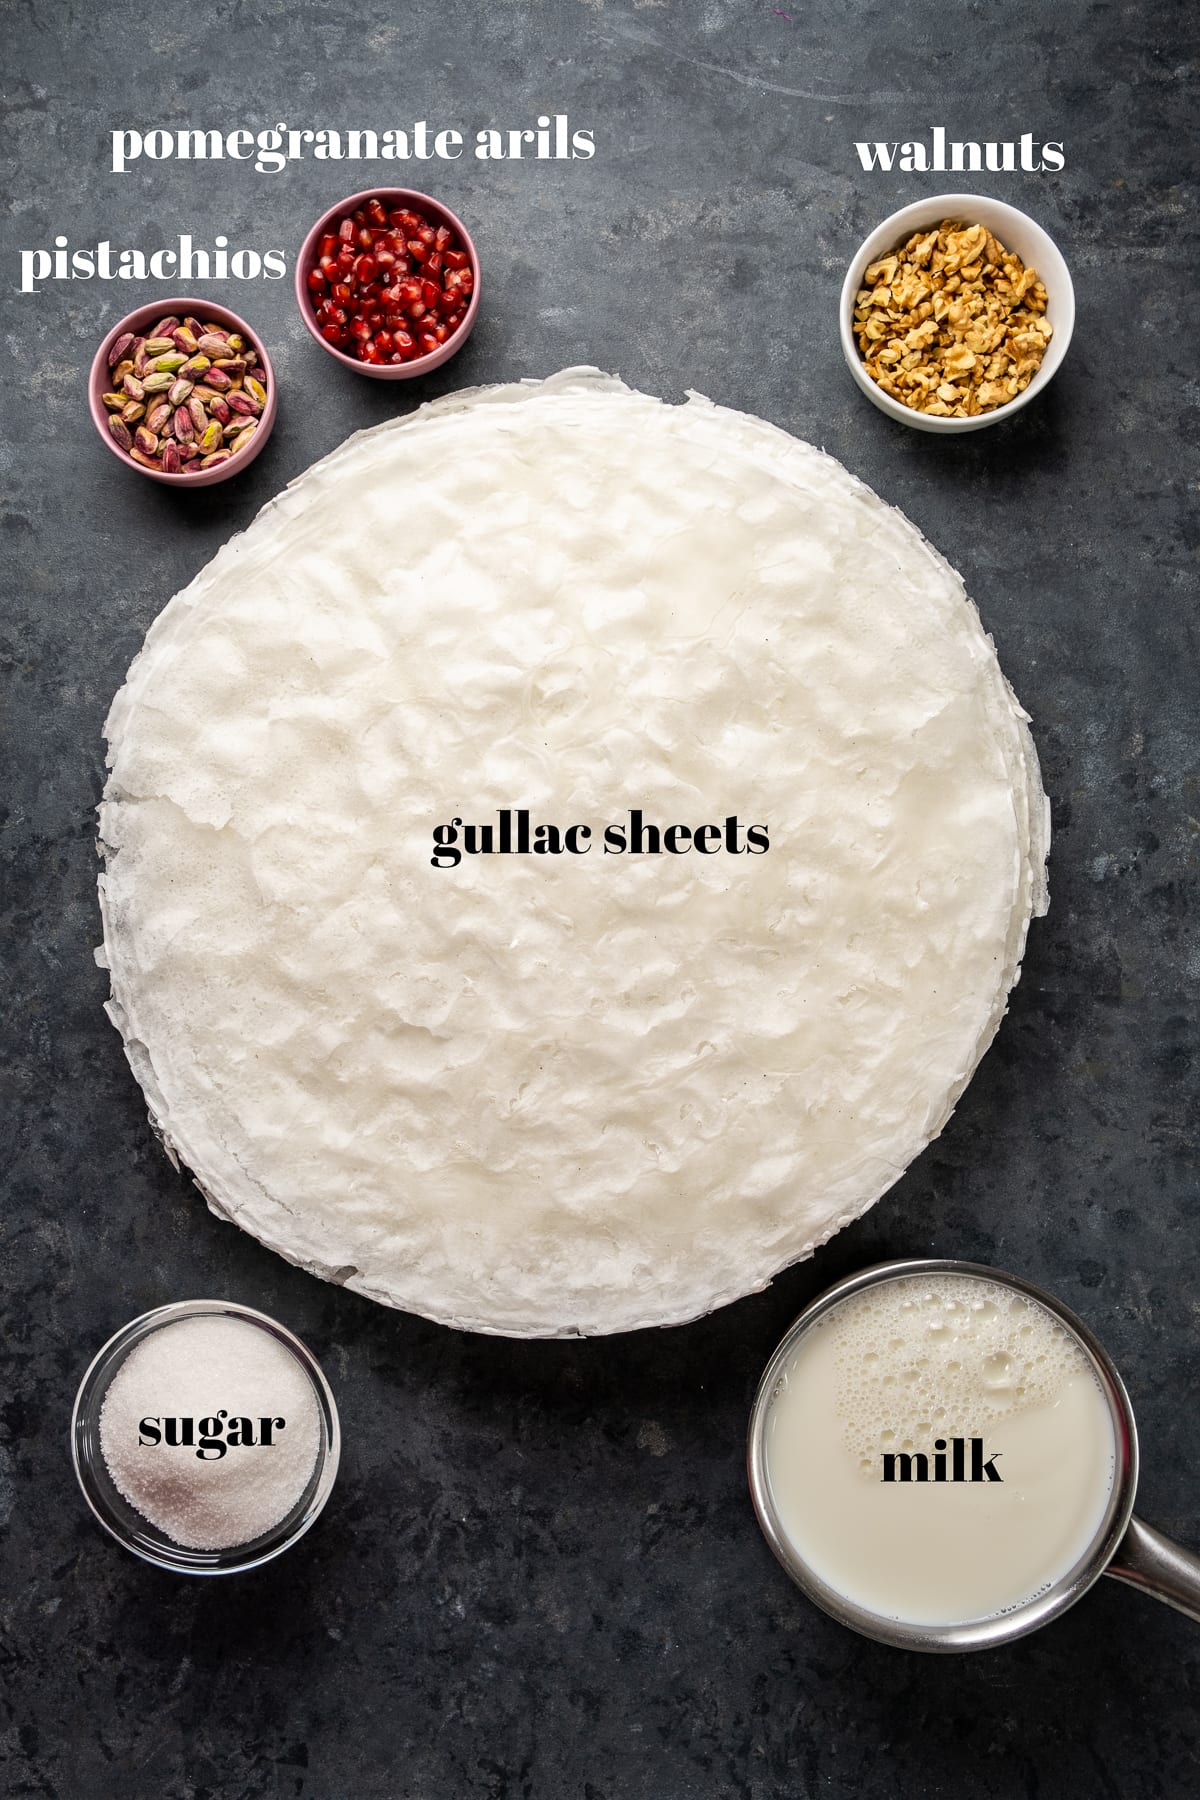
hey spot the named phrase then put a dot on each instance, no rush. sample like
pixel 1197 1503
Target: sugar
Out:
pixel 197 1370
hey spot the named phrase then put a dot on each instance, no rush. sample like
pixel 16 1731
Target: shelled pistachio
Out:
pixel 186 396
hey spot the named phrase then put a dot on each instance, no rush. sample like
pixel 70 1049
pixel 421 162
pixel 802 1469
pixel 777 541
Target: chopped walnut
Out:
pixel 952 323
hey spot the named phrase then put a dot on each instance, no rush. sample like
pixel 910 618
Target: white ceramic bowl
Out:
pixel 1016 231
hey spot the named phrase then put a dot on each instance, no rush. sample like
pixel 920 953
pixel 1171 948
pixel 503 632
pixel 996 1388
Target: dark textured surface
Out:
pixel 539 1575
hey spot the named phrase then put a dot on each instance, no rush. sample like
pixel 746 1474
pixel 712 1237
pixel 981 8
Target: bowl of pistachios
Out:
pixel 183 392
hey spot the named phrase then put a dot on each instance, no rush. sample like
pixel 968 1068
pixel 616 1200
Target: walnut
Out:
pixel 952 323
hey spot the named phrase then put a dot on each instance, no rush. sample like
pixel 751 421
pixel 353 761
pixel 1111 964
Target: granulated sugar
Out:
pixel 211 1429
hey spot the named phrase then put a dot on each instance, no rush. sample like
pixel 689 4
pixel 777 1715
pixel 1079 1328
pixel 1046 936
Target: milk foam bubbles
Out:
pixel 939 1449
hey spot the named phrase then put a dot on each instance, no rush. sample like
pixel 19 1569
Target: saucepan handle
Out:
pixel 1148 1560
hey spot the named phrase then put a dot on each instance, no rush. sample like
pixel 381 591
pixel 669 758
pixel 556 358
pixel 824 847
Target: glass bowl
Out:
pixel 123 1521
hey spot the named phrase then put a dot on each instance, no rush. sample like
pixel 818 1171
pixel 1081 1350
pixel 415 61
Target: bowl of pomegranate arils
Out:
pixel 388 282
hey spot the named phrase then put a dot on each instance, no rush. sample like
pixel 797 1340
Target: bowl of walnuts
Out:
pixel 956 312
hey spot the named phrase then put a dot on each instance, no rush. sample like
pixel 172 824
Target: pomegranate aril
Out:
pixel 390 287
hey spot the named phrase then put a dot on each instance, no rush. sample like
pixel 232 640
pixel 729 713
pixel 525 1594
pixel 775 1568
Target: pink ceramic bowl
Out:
pixel 139 322
pixel 437 215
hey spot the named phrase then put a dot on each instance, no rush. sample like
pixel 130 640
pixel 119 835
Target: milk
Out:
pixel 939 1449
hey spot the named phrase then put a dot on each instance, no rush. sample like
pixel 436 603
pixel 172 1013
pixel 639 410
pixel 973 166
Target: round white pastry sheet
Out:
pixel 540 1094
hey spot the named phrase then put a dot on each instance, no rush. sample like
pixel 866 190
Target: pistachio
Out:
pixel 184 398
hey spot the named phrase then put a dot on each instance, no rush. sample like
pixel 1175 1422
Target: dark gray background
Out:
pixel 539 1574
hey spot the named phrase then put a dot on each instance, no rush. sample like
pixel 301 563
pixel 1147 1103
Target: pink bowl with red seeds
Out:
pixel 387 281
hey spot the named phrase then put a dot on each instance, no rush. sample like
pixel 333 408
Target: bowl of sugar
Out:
pixel 205 1437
